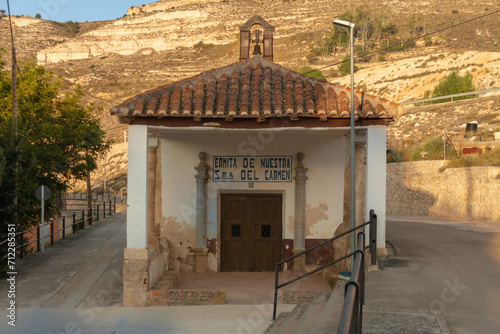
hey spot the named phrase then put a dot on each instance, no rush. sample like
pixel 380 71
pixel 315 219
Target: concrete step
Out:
pixel 313 311
pixel 277 323
pixel 328 320
pixel 321 315
pixel 292 319
pixel 169 280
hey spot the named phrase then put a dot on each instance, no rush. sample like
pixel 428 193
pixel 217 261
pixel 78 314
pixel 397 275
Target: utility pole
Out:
pixel 89 195
pixel 14 115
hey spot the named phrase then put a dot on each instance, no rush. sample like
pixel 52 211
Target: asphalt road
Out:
pixel 447 268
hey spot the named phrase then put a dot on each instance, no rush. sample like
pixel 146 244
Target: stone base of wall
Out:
pixel 186 297
pixel 428 188
pixel 295 297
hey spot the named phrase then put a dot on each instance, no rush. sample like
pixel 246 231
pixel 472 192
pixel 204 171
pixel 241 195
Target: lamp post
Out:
pixel 350 25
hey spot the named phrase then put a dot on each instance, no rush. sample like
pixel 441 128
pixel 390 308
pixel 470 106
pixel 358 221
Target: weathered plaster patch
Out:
pixel 211 230
pixel 212 246
pixel 182 240
pixel 212 254
pixel 314 215
pixel 289 225
pixel 211 262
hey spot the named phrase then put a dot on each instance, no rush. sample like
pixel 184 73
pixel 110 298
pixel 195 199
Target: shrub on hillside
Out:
pixel 345 66
pixel 311 72
pixel 452 84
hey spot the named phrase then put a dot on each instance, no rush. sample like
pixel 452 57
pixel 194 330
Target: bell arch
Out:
pixel 246 38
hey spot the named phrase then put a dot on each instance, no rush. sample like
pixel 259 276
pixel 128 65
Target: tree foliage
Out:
pixel 311 72
pixel 451 84
pixel 374 28
pixel 57 140
pixel 345 66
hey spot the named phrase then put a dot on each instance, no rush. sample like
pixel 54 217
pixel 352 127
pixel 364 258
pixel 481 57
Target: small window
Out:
pixel 235 230
pixel 266 231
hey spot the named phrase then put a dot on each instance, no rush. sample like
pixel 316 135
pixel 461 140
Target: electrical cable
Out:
pixel 409 40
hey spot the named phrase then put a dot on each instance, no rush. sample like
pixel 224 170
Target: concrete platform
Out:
pixel 250 287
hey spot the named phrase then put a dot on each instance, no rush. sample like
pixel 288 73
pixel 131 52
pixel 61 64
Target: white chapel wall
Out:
pixel 324 158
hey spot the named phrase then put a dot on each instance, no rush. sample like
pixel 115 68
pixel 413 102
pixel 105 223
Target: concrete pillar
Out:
pixel 135 264
pixel 137 215
pixel 153 235
pixel 360 183
pixel 376 180
pixel 299 237
pixel 201 249
pixel 342 246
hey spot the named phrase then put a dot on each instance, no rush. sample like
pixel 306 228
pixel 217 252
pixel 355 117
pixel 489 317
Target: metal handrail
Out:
pixel 351 320
pixel 91 212
pixel 484 91
pixel 373 250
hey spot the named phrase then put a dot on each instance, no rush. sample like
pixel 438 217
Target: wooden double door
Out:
pixel 251 231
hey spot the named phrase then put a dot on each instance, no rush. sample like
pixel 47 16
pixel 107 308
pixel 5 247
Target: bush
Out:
pixel 311 72
pixel 428 41
pixel 381 55
pixel 487 159
pixel 73 26
pixel 395 155
pixel 453 84
pixel 345 66
pixel 38 16
pixel 434 150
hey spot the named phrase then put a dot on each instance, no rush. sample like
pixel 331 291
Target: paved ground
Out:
pixel 441 272
pixel 76 286
pixel 449 269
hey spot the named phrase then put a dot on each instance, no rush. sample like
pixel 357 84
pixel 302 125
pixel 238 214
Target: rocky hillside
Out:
pixel 170 40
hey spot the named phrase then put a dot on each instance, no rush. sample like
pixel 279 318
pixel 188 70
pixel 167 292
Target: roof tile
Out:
pixel 255 88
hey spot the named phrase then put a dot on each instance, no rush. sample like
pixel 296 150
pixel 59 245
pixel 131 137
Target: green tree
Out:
pixel 38 16
pixel 453 83
pixel 2 11
pixel 366 24
pixel 73 26
pixel 311 72
pixel 416 24
pixel 345 66
pixel 58 140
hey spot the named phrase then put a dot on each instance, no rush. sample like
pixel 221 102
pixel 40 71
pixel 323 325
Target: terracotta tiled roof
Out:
pixel 253 89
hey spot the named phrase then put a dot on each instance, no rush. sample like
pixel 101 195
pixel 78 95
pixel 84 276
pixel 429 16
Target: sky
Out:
pixel 72 10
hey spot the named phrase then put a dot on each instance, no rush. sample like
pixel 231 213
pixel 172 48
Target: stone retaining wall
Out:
pixel 427 188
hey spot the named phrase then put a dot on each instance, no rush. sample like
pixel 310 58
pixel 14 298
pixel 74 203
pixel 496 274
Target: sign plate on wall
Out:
pixel 236 168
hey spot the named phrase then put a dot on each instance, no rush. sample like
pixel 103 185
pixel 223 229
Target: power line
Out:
pixel 409 40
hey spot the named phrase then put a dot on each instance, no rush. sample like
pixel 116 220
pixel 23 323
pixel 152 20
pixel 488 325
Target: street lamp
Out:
pixel 350 25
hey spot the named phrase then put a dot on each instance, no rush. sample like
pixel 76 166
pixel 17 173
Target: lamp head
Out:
pixel 343 23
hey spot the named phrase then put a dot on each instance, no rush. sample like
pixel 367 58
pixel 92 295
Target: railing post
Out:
pixel 38 238
pixel 52 233
pixel 97 212
pixel 110 207
pixel 90 216
pixel 83 219
pixel 64 228
pixel 275 290
pixel 104 209
pixel 373 237
pixel 114 205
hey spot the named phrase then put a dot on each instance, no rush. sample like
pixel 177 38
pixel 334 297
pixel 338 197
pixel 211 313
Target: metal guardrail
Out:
pixel 95 197
pixel 361 248
pixel 450 96
pixel 87 219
